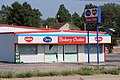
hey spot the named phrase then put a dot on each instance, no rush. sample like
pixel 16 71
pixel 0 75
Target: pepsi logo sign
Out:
pixel 47 39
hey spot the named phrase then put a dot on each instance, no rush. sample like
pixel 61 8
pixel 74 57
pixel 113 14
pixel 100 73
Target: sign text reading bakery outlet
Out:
pixel 72 40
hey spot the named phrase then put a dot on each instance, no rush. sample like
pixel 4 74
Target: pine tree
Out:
pixel 63 14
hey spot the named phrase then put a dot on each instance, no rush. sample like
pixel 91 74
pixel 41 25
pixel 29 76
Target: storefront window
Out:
pixel 93 48
pixel 51 49
pixel 27 49
pixel 70 49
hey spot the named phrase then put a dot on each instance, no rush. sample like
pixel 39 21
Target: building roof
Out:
pixel 10 28
pixel 5 28
pixel 59 25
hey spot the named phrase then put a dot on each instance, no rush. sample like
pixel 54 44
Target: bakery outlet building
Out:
pixel 51 46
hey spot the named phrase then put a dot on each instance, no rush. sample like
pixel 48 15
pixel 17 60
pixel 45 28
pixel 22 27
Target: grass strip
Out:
pixel 82 71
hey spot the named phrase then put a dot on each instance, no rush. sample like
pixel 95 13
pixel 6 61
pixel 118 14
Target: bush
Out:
pixel 66 73
pixel 42 74
pixel 6 74
pixel 85 71
pixel 53 73
pixel 24 75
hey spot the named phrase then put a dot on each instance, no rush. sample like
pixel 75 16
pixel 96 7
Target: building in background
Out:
pixel 65 26
pixel 21 44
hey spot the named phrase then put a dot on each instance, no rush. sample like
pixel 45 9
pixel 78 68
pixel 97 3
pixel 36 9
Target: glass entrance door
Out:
pixel 70 53
pixel 51 53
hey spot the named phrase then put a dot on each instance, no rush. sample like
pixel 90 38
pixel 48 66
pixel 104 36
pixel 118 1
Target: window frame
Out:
pixel 50 46
pixel 95 45
pixel 35 52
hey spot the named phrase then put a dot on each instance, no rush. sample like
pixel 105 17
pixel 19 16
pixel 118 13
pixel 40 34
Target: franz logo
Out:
pixel 47 39
pixel 88 13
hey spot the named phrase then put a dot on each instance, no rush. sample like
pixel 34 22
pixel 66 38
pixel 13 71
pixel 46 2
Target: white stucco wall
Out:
pixel 60 53
pixel 7 47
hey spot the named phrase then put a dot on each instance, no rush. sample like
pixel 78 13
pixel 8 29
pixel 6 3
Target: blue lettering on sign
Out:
pixel 47 39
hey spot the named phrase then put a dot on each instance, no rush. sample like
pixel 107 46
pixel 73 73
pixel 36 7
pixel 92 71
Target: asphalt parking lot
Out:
pixel 112 61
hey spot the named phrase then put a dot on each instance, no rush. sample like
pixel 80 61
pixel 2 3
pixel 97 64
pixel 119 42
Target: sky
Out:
pixel 49 8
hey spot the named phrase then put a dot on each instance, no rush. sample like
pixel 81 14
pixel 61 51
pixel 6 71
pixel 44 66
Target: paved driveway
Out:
pixel 113 61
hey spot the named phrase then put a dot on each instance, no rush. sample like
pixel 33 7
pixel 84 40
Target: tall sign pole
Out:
pixel 97 27
pixel 93 16
pixel 88 45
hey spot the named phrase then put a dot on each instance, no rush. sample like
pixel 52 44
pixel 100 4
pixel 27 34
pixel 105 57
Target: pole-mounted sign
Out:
pixel 93 15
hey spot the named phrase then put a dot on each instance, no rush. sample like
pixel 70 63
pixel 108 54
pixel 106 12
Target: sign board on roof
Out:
pixel 62 39
pixel 38 39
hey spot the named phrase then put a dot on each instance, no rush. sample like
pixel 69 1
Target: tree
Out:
pixel 63 14
pixel 4 14
pixel 113 43
pixel 88 6
pixel 111 17
pixel 77 20
pixel 50 22
pixel 23 14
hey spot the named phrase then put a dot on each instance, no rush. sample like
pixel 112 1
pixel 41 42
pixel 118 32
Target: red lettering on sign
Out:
pixel 91 19
pixel 28 38
pixel 71 40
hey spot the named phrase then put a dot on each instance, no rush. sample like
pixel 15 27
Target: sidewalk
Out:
pixel 75 77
